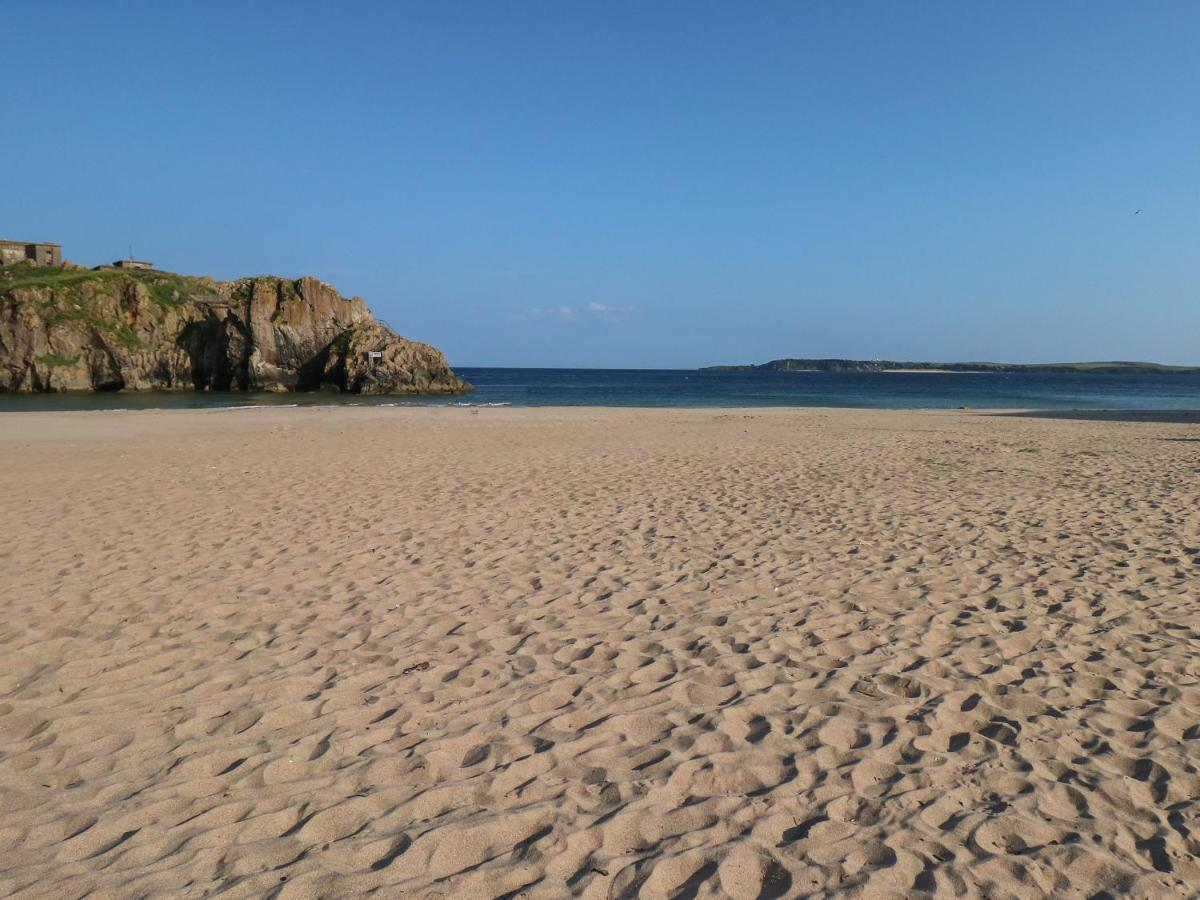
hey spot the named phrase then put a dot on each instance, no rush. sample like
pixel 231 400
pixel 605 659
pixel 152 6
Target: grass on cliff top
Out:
pixel 68 304
pixel 166 288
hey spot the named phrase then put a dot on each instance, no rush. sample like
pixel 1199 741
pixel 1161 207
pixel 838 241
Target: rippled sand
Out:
pixel 541 653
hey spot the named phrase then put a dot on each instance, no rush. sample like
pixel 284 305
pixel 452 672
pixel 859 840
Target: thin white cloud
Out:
pixel 610 313
pixel 565 313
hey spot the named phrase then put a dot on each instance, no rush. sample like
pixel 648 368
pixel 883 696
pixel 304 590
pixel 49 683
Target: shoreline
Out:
pixel 937 372
pixel 164 417
pixel 672 389
pixel 389 406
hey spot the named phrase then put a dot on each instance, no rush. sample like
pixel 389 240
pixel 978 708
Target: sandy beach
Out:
pixel 601 653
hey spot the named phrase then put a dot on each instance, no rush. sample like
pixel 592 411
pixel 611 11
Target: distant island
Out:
pixel 887 365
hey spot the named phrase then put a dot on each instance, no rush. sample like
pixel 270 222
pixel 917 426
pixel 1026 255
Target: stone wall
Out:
pixel 20 251
pixel 11 252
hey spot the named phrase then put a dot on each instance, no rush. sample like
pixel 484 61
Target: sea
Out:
pixel 693 388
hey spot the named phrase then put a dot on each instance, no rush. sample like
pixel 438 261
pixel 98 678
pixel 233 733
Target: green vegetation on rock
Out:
pixel 166 288
pixel 175 290
pixel 25 275
pixel 53 360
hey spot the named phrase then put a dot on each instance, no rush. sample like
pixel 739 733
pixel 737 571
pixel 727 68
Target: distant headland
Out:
pixel 128 326
pixel 887 365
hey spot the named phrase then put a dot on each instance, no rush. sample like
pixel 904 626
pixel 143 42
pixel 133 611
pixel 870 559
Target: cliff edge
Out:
pixel 110 329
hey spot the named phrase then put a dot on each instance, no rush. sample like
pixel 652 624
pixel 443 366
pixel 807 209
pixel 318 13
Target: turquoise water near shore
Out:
pixel 692 388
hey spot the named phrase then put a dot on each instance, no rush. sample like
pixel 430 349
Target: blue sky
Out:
pixel 649 184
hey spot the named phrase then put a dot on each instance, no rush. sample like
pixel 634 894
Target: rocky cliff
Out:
pixel 96 330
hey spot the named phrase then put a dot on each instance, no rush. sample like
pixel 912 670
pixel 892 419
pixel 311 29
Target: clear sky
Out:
pixel 651 184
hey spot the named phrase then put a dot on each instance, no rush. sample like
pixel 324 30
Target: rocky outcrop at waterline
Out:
pixel 109 329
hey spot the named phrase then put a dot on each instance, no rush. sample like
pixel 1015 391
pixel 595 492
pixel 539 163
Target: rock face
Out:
pixel 83 330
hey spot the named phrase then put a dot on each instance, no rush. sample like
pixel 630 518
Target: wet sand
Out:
pixel 606 653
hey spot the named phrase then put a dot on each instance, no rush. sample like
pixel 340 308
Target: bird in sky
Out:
pixel 1137 212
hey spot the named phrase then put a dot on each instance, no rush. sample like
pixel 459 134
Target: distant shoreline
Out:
pixel 929 371
pixel 1114 367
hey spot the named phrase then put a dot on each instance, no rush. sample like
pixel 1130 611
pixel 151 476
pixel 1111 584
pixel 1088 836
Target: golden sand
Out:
pixel 544 653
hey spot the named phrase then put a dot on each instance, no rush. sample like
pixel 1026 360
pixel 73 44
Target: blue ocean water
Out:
pixel 692 388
